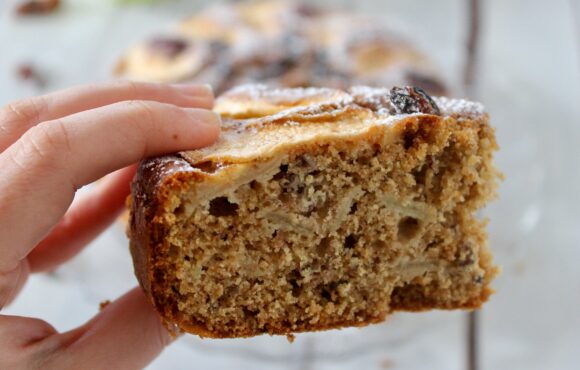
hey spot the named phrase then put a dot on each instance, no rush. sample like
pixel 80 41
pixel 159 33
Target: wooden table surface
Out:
pixel 528 77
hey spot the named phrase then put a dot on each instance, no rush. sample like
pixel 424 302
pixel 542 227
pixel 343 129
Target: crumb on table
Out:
pixel 104 304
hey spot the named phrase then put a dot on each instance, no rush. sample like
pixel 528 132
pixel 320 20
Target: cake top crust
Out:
pixel 258 121
pixel 258 101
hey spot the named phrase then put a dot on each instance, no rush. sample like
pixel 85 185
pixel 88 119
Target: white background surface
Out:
pixel 530 83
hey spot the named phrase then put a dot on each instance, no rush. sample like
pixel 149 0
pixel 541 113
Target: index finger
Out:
pixel 42 171
pixel 18 117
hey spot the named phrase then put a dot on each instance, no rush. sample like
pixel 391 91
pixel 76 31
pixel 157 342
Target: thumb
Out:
pixel 126 334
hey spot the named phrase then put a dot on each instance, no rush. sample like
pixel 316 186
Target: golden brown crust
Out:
pixel 259 120
pixel 144 204
pixel 251 144
pixel 154 179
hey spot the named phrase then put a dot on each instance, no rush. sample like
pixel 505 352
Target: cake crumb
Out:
pixel 29 73
pixel 104 304
pixel 291 338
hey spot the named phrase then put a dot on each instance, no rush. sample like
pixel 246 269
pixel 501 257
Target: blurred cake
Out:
pixel 318 208
pixel 280 43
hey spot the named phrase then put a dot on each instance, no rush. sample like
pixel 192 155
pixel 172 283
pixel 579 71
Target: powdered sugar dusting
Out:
pixel 374 98
pixel 285 96
pixel 165 166
pixel 378 99
pixel 311 105
pixel 459 107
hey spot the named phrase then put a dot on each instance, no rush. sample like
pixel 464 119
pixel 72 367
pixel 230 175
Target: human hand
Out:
pixel 50 147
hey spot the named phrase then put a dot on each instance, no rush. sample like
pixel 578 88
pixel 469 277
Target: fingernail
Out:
pixel 194 89
pixel 205 116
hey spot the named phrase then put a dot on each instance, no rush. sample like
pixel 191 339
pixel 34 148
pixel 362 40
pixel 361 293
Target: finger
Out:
pixel 126 334
pixel 21 340
pixel 18 117
pixel 11 283
pixel 83 222
pixel 42 170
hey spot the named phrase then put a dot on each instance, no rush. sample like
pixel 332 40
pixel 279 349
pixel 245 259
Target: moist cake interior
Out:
pixel 334 233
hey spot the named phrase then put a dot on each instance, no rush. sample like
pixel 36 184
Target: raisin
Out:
pixel 169 47
pixel 353 208
pixel 350 241
pixel 221 206
pixel 282 173
pixel 408 228
pixel 409 99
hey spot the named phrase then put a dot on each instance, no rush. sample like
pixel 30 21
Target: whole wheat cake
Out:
pixel 316 209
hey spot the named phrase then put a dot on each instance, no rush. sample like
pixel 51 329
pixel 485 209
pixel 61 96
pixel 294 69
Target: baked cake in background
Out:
pixel 280 43
pixel 318 208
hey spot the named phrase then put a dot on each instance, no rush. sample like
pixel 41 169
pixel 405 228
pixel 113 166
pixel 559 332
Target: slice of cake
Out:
pixel 318 209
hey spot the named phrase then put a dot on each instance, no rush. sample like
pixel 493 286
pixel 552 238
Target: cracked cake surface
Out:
pixel 318 208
